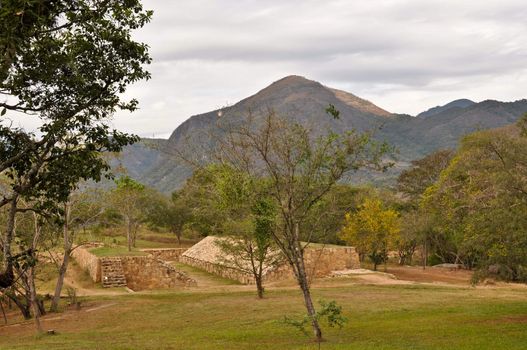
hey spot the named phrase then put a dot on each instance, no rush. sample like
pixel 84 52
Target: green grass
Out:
pixel 141 243
pixel 115 250
pixel 380 317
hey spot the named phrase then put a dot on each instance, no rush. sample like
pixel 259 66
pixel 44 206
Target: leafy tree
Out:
pixel 198 195
pixel 327 216
pixel 480 202
pixel 413 183
pixel 423 173
pixel 373 230
pixel 249 223
pixel 414 230
pixel 170 213
pixel 127 199
pixel 178 215
pixel 65 64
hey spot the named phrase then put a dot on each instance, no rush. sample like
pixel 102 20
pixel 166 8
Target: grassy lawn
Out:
pixel 115 250
pixel 118 247
pixel 381 317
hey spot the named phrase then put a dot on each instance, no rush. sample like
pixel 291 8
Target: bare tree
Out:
pixel 300 168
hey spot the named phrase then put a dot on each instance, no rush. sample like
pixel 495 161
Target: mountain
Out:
pixel 457 104
pixel 158 163
pixel 446 128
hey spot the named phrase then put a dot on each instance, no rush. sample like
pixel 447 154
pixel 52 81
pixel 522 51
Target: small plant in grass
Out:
pixel 72 297
pixel 330 314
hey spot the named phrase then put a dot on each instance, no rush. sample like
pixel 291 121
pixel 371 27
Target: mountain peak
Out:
pixel 293 82
pixel 460 103
pixel 293 79
pixel 296 87
pixel 359 103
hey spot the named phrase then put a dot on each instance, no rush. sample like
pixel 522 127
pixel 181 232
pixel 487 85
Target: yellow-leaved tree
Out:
pixel 373 230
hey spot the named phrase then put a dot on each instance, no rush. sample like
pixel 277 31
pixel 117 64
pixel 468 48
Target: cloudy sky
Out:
pixel 404 55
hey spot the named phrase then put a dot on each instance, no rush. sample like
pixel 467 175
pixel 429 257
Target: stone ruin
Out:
pixel 135 272
pixel 153 271
pixel 320 261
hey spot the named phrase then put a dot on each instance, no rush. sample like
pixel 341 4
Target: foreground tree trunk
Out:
pixel 25 309
pixel 296 254
pixel 68 243
pixel 303 283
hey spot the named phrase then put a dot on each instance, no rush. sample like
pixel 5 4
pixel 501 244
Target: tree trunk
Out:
pixel 10 228
pixel 259 287
pixel 7 277
pixel 33 299
pixel 385 258
pixel 60 282
pixel 134 235
pixel 304 286
pixel 178 236
pixel 128 234
pixel 24 309
pixel 298 260
pixel 3 311
pixel 31 276
pixel 65 262
pixel 425 253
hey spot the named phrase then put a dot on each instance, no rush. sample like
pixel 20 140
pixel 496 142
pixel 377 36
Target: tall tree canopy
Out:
pixel 64 64
pixel 480 203
pixel 423 173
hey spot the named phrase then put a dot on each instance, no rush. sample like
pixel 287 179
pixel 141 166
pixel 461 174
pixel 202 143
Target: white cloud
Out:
pixel 404 55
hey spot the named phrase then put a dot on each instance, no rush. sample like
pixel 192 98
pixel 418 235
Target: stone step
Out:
pixel 112 273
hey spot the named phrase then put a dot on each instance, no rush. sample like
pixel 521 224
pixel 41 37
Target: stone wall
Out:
pixel 147 272
pixel 166 254
pixel 141 272
pixel 320 262
pixel 88 261
pixel 218 269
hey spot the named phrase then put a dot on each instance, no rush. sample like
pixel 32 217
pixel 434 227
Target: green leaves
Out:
pixel 480 201
pixel 329 313
pixel 332 111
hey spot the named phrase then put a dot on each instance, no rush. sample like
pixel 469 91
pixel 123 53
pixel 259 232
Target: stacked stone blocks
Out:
pixel 112 273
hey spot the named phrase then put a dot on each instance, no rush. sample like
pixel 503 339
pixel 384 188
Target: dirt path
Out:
pixel 431 274
pixel 93 291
